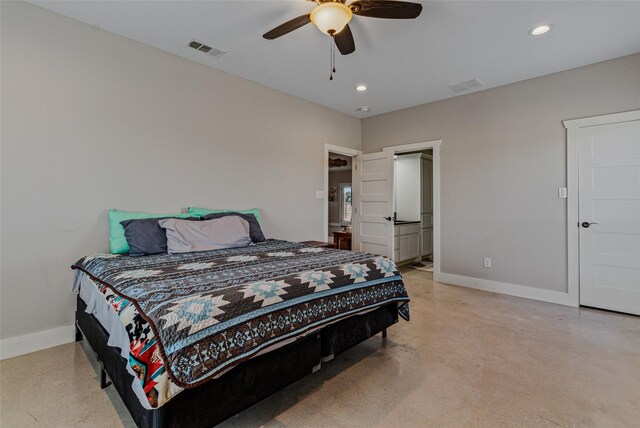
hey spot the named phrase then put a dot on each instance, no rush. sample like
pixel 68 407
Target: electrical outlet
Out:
pixel 487 262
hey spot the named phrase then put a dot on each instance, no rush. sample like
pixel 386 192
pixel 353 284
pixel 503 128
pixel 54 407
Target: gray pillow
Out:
pixel 145 236
pixel 255 231
pixel 185 236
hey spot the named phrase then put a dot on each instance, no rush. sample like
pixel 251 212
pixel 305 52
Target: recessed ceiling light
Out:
pixel 363 109
pixel 361 88
pixel 540 30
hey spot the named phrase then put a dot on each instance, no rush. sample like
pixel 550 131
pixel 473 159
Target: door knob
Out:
pixel 387 218
pixel 586 224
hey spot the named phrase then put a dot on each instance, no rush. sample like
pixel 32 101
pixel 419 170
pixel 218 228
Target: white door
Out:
pixel 609 212
pixel 373 214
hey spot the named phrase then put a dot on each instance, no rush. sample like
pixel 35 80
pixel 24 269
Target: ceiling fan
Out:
pixel 332 17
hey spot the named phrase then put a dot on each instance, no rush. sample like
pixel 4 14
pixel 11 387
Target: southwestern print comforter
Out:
pixel 196 315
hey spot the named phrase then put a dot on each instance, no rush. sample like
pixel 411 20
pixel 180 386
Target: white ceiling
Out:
pixel 404 63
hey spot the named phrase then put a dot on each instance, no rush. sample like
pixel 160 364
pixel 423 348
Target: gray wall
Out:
pixel 503 158
pixel 92 120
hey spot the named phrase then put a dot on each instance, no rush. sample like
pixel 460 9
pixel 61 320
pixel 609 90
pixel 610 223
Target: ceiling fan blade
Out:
pixel 386 9
pixel 344 41
pixel 287 27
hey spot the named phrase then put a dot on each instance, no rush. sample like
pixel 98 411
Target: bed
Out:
pixel 191 339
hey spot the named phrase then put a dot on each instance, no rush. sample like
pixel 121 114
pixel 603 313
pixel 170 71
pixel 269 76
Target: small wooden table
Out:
pixel 319 244
pixel 342 240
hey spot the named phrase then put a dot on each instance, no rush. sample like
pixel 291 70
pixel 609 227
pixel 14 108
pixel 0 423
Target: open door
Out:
pixel 373 203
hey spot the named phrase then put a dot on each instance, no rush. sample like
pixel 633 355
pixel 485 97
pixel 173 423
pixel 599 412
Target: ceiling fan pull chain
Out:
pixel 333 56
pixel 331 69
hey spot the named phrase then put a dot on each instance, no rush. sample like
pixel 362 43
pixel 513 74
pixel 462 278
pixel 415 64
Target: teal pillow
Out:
pixel 201 212
pixel 117 240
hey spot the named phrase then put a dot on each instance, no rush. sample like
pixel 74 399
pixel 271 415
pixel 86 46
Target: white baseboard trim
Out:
pixel 20 345
pixel 525 291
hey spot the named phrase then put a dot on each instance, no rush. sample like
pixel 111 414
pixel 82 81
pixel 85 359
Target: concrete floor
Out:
pixel 466 359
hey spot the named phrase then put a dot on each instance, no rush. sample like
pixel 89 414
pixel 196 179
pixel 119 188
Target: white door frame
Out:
pixel 573 175
pixel 341 151
pixel 435 146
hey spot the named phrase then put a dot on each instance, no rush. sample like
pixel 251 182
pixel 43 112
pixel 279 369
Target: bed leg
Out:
pixel 79 336
pixel 104 383
pixel 384 333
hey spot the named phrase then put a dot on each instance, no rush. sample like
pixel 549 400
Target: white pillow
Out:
pixel 185 236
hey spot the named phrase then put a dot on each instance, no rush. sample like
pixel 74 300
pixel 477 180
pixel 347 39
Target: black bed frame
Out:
pixel 248 383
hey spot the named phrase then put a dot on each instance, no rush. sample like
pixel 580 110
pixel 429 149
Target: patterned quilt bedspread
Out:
pixel 211 310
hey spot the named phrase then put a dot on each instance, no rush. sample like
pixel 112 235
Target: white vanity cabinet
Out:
pixel 406 242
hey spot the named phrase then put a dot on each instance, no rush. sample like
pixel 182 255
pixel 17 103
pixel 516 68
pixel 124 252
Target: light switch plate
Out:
pixel 562 192
pixel 319 194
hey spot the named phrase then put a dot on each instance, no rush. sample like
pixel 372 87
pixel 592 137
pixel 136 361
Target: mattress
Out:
pixel 182 320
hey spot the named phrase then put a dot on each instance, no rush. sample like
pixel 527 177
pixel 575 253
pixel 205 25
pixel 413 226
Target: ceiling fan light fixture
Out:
pixel 331 17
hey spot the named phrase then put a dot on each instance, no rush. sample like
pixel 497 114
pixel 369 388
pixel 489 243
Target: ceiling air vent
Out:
pixel 199 46
pixel 469 85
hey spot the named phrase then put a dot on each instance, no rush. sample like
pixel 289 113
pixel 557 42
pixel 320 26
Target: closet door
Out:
pixel 609 205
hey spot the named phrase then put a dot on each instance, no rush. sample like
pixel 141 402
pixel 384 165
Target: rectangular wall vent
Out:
pixel 469 85
pixel 199 46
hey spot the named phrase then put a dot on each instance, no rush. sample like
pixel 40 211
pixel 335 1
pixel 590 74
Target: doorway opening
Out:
pixel 429 245
pixel 413 209
pixel 340 198
pixel 338 206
